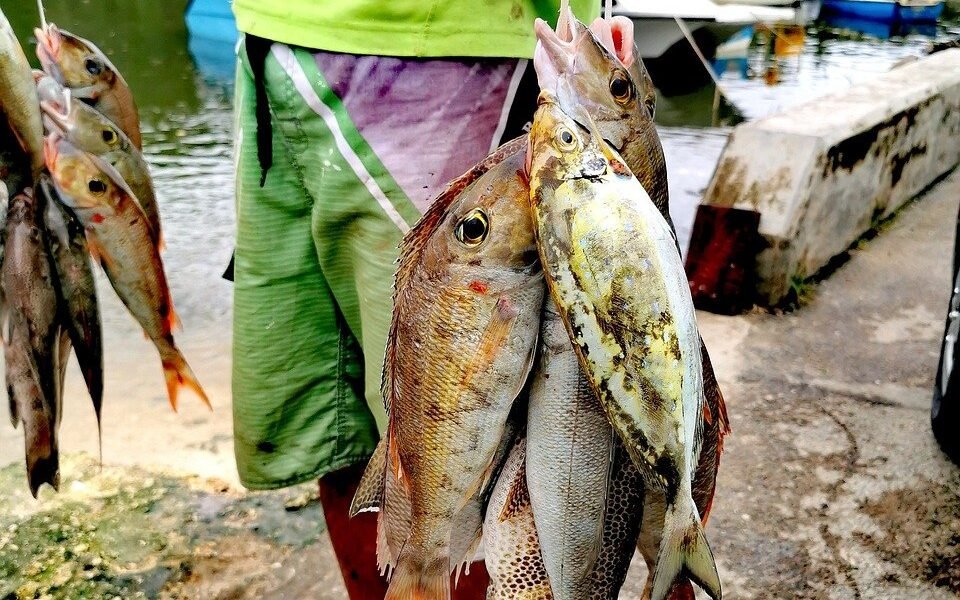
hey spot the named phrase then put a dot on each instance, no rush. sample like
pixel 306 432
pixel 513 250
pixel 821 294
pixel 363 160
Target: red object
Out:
pixel 355 542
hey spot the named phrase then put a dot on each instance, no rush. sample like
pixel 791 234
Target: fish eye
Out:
pixel 565 138
pixel 472 230
pixel 109 136
pixel 93 66
pixel 97 187
pixel 620 87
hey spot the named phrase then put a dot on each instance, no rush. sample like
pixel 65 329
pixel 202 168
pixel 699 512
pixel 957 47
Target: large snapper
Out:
pixel 18 98
pixel 612 267
pixel 569 448
pixel 120 238
pixel 79 65
pixel 466 313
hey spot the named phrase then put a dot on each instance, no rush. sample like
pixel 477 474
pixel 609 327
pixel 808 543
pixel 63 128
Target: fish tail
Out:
pixel 178 374
pixel 416 580
pixel 43 469
pixel 684 551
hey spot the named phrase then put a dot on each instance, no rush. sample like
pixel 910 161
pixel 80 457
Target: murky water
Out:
pixel 187 121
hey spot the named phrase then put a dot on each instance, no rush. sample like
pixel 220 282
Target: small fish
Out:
pixel 76 291
pixel 31 335
pixel 466 314
pixel 513 559
pixel 18 99
pixel 569 450
pixel 120 239
pixel 78 64
pixel 611 265
pixel 90 131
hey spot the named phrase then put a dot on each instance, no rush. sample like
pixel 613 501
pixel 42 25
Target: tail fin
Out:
pixel 369 496
pixel 414 580
pixel 178 373
pixel 684 551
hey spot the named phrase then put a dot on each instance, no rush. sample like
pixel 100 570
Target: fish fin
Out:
pixel 173 320
pixel 518 496
pixel 99 253
pixel 492 340
pixel 683 590
pixel 178 373
pixel 414 580
pixel 465 536
pixel 369 496
pixel 45 469
pixel 684 550
pixel 385 558
pixel 14 409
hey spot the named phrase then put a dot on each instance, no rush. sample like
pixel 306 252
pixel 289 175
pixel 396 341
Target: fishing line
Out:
pixel 696 49
pixel 43 15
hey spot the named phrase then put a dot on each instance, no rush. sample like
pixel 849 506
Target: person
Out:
pixel 351 115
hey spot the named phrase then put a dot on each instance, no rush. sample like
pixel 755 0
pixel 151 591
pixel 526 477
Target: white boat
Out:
pixel 656 31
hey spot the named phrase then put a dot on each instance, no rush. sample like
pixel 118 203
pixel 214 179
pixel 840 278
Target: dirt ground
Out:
pixel 831 486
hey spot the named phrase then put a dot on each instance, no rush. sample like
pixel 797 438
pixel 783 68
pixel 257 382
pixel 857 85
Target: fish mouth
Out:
pixel 49 43
pixel 556 50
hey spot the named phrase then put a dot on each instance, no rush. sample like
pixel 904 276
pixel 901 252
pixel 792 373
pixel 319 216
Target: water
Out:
pixel 187 121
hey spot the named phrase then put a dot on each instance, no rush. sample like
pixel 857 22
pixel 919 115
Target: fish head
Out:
pixel 88 181
pixel 75 62
pixel 485 239
pixel 84 126
pixel 598 69
pixel 561 150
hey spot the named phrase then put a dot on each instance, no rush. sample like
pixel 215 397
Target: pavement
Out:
pixel 831 487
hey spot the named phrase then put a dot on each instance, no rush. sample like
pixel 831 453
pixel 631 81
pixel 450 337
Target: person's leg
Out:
pixel 295 363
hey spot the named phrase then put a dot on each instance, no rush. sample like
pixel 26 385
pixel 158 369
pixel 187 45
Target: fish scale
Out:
pixel 569 449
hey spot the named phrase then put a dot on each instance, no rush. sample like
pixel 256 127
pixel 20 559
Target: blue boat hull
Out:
pixel 884 11
pixel 212 37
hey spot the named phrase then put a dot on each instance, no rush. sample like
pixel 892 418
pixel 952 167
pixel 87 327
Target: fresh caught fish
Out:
pixel 621 525
pixel 79 65
pixel 120 239
pixel 599 71
pixel 31 333
pixel 612 267
pixel 569 450
pixel 76 291
pixel 90 131
pixel 466 314
pixel 513 558
pixel 18 98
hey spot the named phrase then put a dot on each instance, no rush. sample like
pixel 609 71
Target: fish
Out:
pixel 513 558
pixel 18 100
pixel 598 71
pixel 621 526
pixel 569 451
pixel 31 335
pixel 78 64
pixel 611 265
pixel 467 302
pixel 76 292
pixel 119 238
pixel 92 132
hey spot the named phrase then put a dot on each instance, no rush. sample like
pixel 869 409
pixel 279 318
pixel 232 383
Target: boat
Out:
pixel 894 11
pixel 673 64
pixel 212 38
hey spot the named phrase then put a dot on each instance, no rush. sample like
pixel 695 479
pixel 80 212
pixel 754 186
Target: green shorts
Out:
pixel 356 158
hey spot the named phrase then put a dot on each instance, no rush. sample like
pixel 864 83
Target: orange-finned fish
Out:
pixel 611 265
pixel 79 65
pixel 466 313
pixel 120 239
pixel 89 130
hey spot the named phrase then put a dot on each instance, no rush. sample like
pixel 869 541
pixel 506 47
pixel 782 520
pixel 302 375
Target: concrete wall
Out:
pixel 821 174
